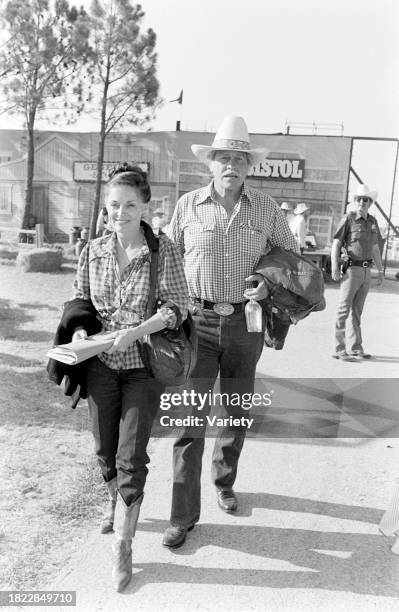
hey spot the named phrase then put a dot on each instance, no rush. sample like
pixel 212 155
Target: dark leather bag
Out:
pixel 295 289
pixel 295 284
pixel 170 354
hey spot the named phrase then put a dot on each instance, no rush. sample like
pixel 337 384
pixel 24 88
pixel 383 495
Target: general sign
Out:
pixel 87 171
pixel 280 169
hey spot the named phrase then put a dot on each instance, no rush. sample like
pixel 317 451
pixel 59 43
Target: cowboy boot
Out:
pixel 107 524
pixel 125 522
pixel 389 524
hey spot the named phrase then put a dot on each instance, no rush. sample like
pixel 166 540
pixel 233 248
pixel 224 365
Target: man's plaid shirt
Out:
pixel 98 279
pixel 220 253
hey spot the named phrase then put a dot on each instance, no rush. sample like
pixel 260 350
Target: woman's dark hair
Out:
pixel 134 176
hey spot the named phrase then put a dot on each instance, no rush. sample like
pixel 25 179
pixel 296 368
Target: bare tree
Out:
pixel 125 86
pixel 40 67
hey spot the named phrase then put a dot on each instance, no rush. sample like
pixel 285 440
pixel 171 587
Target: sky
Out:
pixel 273 61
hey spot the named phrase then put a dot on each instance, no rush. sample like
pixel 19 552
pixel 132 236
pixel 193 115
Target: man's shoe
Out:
pixel 227 500
pixel 175 535
pixel 361 355
pixel 343 357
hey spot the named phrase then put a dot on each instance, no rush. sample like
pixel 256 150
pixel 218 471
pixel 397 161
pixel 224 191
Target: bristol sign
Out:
pixel 279 169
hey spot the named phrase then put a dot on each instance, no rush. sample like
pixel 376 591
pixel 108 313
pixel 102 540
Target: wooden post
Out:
pixel 39 227
pixel 177 182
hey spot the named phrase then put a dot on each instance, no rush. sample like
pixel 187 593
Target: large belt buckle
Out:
pixel 223 308
pixel 366 264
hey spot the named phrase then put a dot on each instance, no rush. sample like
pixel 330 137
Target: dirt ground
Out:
pixel 52 494
pixel 51 487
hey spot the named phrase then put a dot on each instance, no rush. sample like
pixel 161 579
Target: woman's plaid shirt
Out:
pixel 98 279
pixel 220 253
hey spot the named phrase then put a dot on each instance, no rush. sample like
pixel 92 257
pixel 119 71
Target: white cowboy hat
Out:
pixel 286 206
pixel 363 190
pixel 232 135
pixel 301 208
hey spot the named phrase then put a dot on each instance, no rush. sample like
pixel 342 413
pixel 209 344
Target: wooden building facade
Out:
pixel 311 169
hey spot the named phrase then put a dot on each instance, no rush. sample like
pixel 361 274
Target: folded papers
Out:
pixel 76 352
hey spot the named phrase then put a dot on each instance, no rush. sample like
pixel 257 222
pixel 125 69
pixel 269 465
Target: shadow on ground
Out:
pixel 12 319
pixel 19 362
pixel 349 562
pixel 36 306
pixel 247 502
pixel 29 397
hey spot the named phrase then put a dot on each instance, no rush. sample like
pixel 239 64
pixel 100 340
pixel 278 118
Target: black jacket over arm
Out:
pixel 77 312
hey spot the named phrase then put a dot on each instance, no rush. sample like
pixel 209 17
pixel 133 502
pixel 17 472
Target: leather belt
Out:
pixel 366 263
pixel 223 308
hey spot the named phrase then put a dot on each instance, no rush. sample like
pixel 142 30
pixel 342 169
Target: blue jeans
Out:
pixel 122 405
pixel 226 348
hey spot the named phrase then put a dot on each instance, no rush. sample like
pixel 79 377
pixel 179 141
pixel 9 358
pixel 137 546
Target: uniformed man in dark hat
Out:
pixel 358 233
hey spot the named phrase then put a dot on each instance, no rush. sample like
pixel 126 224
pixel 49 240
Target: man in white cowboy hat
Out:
pixel 358 233
pixel 298 224
pixel 221 230
pixel 158 221
pixel 286 208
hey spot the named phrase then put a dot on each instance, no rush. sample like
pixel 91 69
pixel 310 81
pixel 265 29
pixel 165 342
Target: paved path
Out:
pixel 305 536
pixel 309 344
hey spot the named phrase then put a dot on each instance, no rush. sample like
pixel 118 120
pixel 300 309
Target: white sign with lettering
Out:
pixel 87 171
pixel 279 169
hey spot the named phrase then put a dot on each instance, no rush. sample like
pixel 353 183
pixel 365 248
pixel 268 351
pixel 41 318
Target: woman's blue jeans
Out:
pixel 122 405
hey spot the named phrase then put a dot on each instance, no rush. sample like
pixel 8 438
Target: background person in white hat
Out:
pixel 298 224
pixel 158 221
pixel 358 233
pixel 221 230
pixel 286 208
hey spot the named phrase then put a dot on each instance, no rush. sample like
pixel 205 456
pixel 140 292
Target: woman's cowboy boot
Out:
pixel 389 524
pixel 107 524
pixel 125 522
